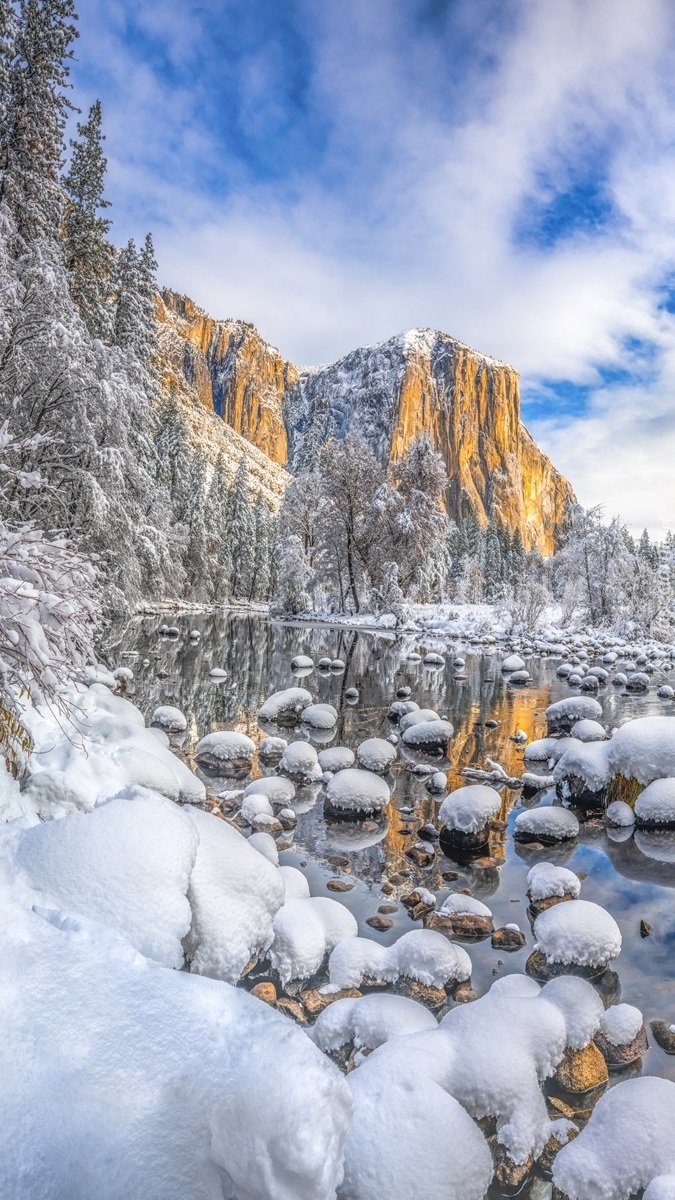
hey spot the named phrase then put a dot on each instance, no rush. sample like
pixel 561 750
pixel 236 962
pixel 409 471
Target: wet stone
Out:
pixel 538 967
pixel 339 885
pixel 379 923
pixel 553 1147
pixel 314 1000
pixel 387 908
pixel 292 1009
pixel 645 928
pixel 433 997
pixel 464 994
pixel 468 927
pixel 508 939
pixel 422 854
pixel 617 1057
pixel 664 1034
pixel 508 1175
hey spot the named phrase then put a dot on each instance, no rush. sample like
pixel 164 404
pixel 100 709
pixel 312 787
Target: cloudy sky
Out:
pixel 503 170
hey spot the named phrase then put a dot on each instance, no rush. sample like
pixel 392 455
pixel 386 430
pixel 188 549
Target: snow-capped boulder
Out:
pixel 277 788
pixel 336 758
pixel 169 718
pixel 299 761
pixel 304 932
pixel 561 716
pixel 466 814
pixel 320 716
pixel 655 806
pixel 285 707
pixel 354 791
pixel 376 754
pixel 550 823
pixel 422 954
pixel 578 933
pixel 429 736
pixel 224 749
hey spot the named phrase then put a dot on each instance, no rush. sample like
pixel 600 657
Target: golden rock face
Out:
pixel 422 382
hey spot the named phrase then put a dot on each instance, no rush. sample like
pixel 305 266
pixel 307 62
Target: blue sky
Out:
pixel 338 172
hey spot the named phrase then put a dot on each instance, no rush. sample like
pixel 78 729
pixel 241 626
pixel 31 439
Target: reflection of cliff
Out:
pixel 421 382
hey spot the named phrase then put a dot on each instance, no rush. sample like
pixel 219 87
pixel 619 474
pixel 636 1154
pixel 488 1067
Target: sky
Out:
pixel 502 170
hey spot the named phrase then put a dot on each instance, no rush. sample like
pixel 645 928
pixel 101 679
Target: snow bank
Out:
pixel 127 865
pixel 138 1081
pixel 578 932
pixel 628 1142
pixel 234 894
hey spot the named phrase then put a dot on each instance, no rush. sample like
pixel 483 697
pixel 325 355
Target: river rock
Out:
pixel 621 1056
pixel 339 885
pixel 314 1000
pixel 508 939
pixel 292 1009
pixel 508 1175
pixel 553 1147
pixel 582 1070
pixel 469 927
pixel 265 992
pixel 422 854
pixel 432 997
pixel 380 923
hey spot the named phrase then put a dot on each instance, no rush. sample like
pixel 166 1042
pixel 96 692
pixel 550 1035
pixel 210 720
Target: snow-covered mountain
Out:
pixel 422 381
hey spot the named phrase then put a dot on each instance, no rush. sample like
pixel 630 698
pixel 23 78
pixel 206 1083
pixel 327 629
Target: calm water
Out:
pixel 633 878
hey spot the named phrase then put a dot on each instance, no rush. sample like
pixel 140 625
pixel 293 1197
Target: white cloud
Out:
pixel 406 215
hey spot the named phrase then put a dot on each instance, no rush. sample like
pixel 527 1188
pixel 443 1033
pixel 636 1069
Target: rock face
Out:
pixel 419 382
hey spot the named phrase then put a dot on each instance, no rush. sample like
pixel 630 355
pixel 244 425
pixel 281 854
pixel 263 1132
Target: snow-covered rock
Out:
pixel 578 933
pixel 224 748
pixel 369 1021
pixel 417 715
pixel 277 788
pixel 376 754
pixel 469 810
pixel 643 749
pixel 513 663
pixel 621 1024
pixel 357 791
pixel 655 806
pixel 589 731
pixel 619 814
pixel 428 735
pixel 564 714
pixel 546 879
pixel 170 718
pixel 336 758
pixel 320 716
pixel 300 762
pixel 285 707
pixel 550 823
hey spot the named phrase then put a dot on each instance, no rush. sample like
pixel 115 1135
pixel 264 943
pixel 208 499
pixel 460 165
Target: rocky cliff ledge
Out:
pixel 419 382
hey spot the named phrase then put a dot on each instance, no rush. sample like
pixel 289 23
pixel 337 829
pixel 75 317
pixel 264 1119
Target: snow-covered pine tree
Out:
pixel 492 565
pixel 173 451
pixel 89 256
pixel 242 533
pixel 260 579
pixel 218 531
pixel 35 108
pixel 196 553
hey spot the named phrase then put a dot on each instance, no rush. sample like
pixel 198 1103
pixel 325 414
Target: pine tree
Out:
pixel 492 565
pixel 129 304
pixel 88 254
pixel 218 527
pixel 172 453
pixel 35 109
pixel 291 595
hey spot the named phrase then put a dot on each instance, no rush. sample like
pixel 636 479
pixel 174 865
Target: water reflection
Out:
pixel 632 876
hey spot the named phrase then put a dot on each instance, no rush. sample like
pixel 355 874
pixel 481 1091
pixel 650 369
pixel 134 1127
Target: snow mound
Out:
pixel 320 716
pixel 299 761
pixel 621 1024
pixel 354 790
pixel 628 1142
pixel 254 805
pixel 421 954
pixel 336 758
pixel 370 1021
pixel 127 865
pixel 656 805
pixel 546 749
pixel 565 713
pixel 375 754
pixel 578 932
pixel 546 879
pixel 168 717
pixel 644 749
pixel 301 662
pixel 272 747
pixel 265 845
pixel 550 822
pixel 513 663
pixel 470 809
pixel 304 932
pixel 286 706
pixel 580 1005
pixel 138 1081
pixel 234 893
pixel 661 1188
pixel 295 883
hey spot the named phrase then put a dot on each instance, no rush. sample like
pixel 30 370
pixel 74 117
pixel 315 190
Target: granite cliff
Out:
pixel 422 381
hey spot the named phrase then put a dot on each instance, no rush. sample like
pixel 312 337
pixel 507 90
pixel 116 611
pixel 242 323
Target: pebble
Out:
pixel 664 1034
pixel 645 929
pixel 339 885
pixel 468 927
pixel 388 908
